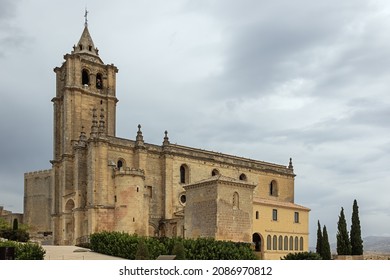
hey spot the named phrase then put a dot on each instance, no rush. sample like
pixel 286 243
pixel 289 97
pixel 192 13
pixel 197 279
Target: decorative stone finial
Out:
pixel 83 137
pixel 290 165
pixel 139 140
pixel 166 139
pixel 94 127
pixel 102 127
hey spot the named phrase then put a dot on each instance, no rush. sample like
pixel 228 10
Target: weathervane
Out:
pixel 86 17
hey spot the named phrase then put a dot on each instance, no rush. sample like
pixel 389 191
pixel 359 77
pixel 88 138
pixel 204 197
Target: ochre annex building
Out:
pixel 99 182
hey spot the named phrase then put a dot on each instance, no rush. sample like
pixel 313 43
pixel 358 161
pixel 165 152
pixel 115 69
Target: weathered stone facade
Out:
pixel 101 182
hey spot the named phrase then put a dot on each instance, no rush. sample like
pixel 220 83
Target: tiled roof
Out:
pixel 279 204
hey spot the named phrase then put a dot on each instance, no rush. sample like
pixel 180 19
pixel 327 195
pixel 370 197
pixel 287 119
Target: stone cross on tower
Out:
pixel 86 17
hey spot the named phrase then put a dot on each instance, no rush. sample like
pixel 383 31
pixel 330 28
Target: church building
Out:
pixel 100 182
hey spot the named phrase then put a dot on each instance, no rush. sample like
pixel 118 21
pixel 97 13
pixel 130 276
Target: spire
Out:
pixel 85 44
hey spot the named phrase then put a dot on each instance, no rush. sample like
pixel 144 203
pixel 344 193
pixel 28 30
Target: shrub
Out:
pixel 179 251
pixel 142 251
pixel 302 256
pixel 125 245
pixel 26 251
pixel 19 235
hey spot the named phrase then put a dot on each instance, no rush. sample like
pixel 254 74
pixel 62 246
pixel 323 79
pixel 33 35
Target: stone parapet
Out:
pixel 130 172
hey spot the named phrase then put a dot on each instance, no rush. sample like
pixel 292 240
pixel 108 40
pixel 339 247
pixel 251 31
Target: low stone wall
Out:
pixel 349 257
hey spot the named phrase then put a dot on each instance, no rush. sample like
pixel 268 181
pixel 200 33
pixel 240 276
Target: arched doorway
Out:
pixel 258 242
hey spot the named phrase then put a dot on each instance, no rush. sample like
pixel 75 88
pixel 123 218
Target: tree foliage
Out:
pixel 356 235
pixel 325 250
pixel 343 242
pixel 319 239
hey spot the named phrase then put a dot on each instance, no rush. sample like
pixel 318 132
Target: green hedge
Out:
pixel 302 256
pixel 25 251
pixel 125 245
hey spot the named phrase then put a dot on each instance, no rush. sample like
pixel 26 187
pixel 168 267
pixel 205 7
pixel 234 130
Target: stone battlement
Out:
pixel 39 172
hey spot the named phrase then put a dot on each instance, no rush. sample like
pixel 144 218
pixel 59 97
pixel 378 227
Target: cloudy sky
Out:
pixel 267 80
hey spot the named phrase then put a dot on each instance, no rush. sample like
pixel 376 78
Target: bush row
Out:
pixel 25 251
pixel 125 246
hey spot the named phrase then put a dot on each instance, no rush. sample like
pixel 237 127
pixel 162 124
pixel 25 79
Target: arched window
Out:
pixel 99 81
pixel 257 215
pixel 275 243
pixel 301 244
pixel 243 177
pixel 184 174
pixel 296 243
pixel 119 164
pixel 273 188
pixel 291 243
pixel 280 248
pixel 236 201
pixel 286 243
pixel 268 242
pixel 215 172
pixel 85 77
pixel 69 206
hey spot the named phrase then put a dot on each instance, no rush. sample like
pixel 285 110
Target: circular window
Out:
pixel 183 199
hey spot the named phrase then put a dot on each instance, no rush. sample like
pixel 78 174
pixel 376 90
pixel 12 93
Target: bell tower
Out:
pixel 84 85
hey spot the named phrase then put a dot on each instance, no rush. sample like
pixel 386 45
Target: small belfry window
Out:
pixel 99 81
pixel 119 164
pixel 215 172
pixel 85 77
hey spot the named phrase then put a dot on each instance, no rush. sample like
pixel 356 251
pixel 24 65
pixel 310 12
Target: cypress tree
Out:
pixel 343 243
pixel 356 235
pixel 325 252
pixel 15 225
pixel 319 239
